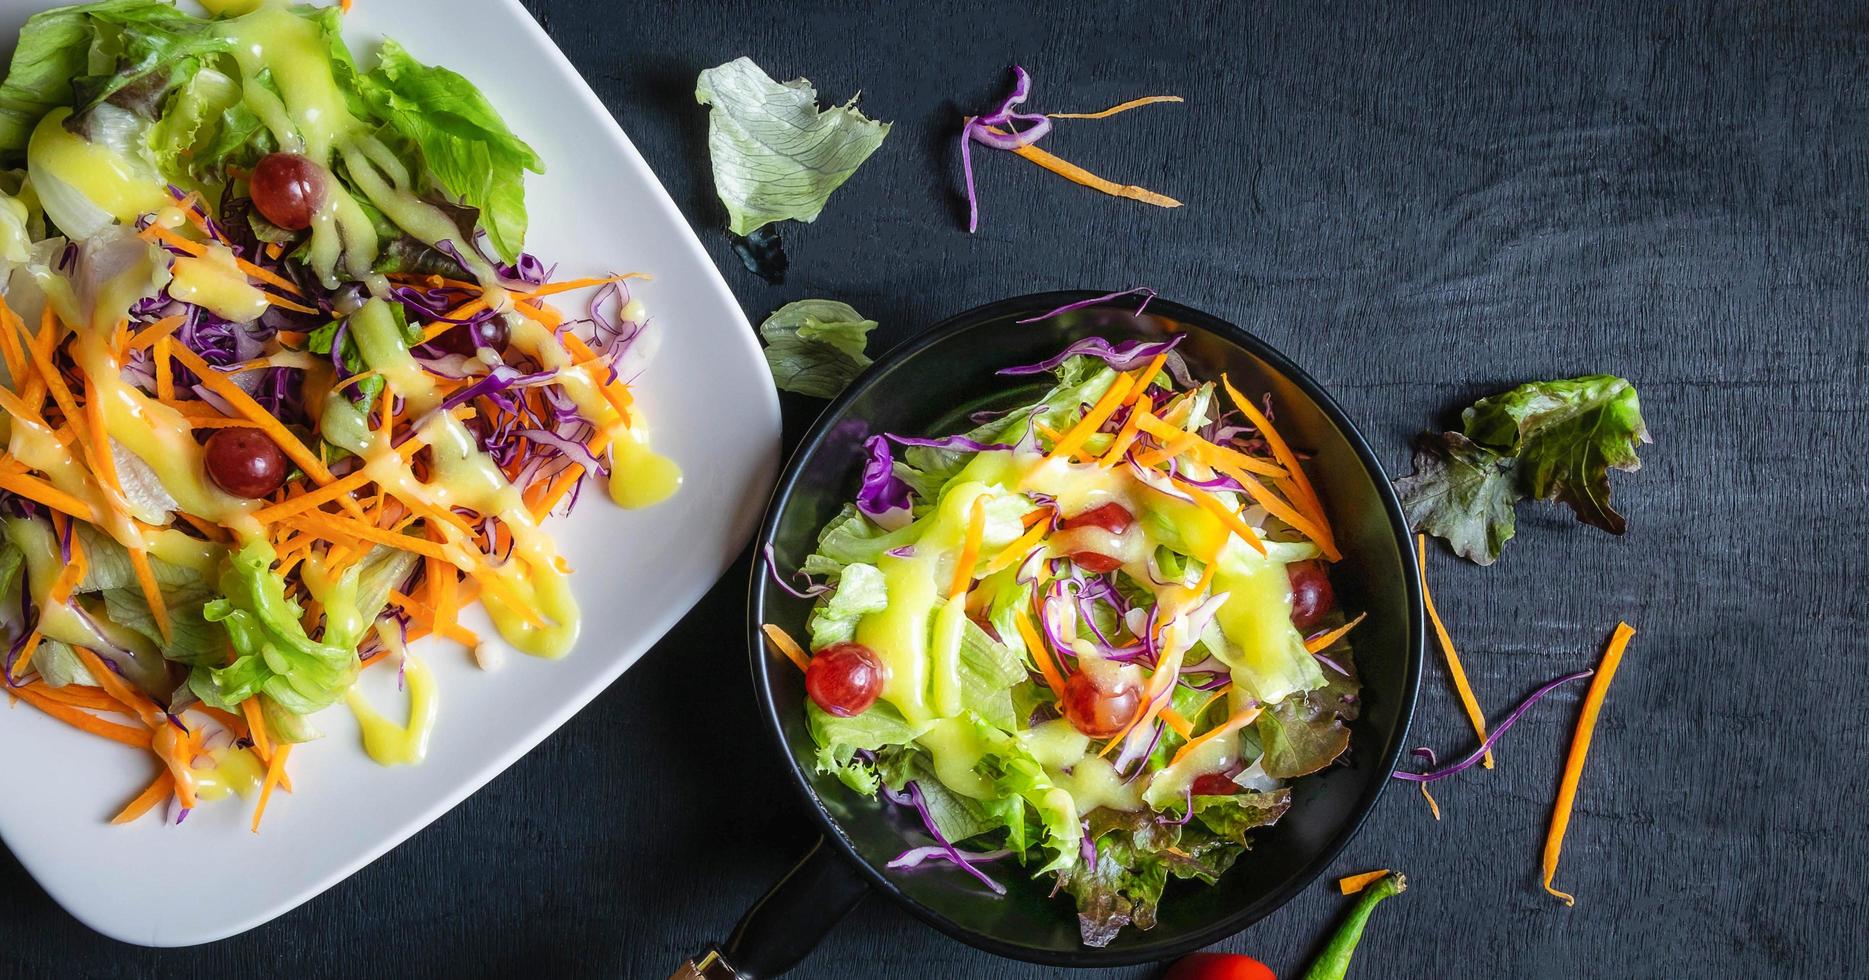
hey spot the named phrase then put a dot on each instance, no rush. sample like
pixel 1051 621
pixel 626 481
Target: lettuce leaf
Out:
pixel 815 346
pixel 860 591
pixel 1545 440
pixel 1233 815
pixel 1136 856
pixel 776 154
pixel 850 537
pixel 192 639
pixel 273 654
pixel 466 146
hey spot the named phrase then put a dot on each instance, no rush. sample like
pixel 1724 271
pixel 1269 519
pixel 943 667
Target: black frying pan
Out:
pixel 928 387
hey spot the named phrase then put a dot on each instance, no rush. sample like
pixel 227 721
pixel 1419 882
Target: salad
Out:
pixel 283 391
pixel 1094 635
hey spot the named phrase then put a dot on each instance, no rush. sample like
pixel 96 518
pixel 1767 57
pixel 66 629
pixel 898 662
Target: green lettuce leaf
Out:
pixel 1299 737
pixel 776 154
pixel 860 591
pixel 839 739
pixel 11 562
pixel 851 537
pixel 1545 440
pixel 815 346
pixel 129 51
pixel 1136 855
pixel 1080 382
pixel 192 639
pixel 466 146
pixel 272 653
pixel 58 665
pixel 1233 815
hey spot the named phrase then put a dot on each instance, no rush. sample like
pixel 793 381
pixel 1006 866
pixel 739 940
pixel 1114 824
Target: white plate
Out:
pixel 710 402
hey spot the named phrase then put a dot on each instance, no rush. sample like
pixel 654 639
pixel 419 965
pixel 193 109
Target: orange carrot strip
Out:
pixel 1078 175
pixel 1283 511
pixel 1306 497
pixel 325 526
pixel 1177 724
pixel 1240 720
pixel 1126 436
pixel 1169 450
pixel 137 738
pixel 158 790
pixel 286 304
pixel 165 372
pixel 969 550
pixel 1119 107
pixel 1093 420
pixel 1579 750
pixel 82 696
pixel 24 661
pixel 1454 670
pixel 1018 549
pixel 1433 807
pixel 1351 884
pixel 256 727
pixel 154 332
pixel 1207 452
pixel 1318 644
pixel 1226 515
pixel 786 645
pixel 35 489
pixel 1041 654
pixel 274 770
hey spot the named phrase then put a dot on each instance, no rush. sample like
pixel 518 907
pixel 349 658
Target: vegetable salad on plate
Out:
pixel 1094 636
pixel 283 391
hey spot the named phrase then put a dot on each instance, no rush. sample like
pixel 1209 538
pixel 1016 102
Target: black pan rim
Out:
pixel 1143 951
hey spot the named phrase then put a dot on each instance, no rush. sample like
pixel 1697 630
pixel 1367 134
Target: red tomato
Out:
pixel 1095 710
pixel 1219 966
pixel 1112 517
pixel 1311 594
pixel 844 678
pixel 1214 784
pixel 1094 563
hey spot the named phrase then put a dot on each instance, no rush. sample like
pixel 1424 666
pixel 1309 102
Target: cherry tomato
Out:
pixel 1219 966
pixel 1215 784
pixel 1095 563
pixel 288 189
pixel 1097 711
pixel 245 462
pixel 843 678
pixel 1112 517
pixel 1311 594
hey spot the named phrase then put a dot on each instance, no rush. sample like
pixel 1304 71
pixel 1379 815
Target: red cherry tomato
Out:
pixel 1094 563
pixel 1112 517
pixel 287 189
pixel 1095 710
pixel 843 678
pixel 245 462
pixel 1215 784
pixel 1311 594
pixel 1219 966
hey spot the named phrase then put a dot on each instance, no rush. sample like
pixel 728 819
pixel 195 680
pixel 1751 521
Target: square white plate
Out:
pixel 710 404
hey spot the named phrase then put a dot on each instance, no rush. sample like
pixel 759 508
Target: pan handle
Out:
pixel 787 923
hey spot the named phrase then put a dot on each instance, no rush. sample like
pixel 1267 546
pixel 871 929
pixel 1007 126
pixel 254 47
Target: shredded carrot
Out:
pixel 1126 436
pixel 1177 724
pixel 1454 670
pixel 1283 511
pixel 1017 550
pixel 134 737
pixel 83 696
pixel 969 550
pixel 325 526
pixel 194 248
pixel 1433 807
pixel 1041 654
pixel 1240 719
pixel 1579 749
pixel 1119 107
pixel 158 790
pixel 1351 884
pixel 9 344
pixel 1078 175
pixel 1093 420
pixel 1322 642
pixel 582 354
pixel 23 662
pixel 425 613
pixel 55 382
pixel 154 332
pixel 146 578
pixel 1207 452
pixel 1226 515
pixel 275 768
pixel 165 372
pixel 1169 450
pixel 788 646
pixel 39 491
pixel 1306 496
pixel 1154 698
pixel 286 304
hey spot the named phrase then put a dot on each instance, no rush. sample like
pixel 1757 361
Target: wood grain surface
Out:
pixel 1421 204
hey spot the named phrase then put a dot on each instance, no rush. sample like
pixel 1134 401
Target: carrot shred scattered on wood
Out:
pixel 1323 641
pixel 1454 669
pixel 1041 654
pixel 1078 175
pixel 1433 807
pixel 158 790
pixel 1351 884
pixel 1119 107
pixel 788 646
pixel 1579 750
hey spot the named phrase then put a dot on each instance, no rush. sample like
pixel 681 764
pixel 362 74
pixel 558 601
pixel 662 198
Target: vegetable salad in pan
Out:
pixel 1094 636
pixel 283 392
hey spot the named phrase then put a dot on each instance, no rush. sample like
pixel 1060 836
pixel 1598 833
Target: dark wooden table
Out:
pixel 1420 204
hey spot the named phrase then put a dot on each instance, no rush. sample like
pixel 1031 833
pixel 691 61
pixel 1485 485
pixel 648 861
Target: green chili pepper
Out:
pixel 1334 962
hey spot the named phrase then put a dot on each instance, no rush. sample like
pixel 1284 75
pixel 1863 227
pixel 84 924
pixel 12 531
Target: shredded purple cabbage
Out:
pixel 914 799
pixel 883 496
pixel 1493 739
pixel 811 590
pixel 975 129
pixel 950 443
pixel 1124 356
pixel 1145 292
